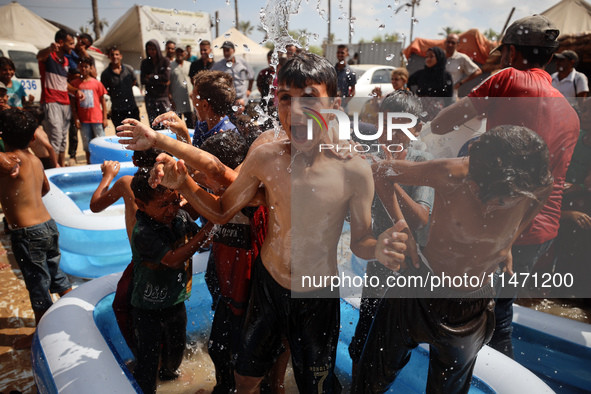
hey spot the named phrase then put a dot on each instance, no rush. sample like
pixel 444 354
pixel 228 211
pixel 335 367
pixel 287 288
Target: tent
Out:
pixel 17 23
pixel 143 23
pixel 571 16
pixel 472 43
pixel 249 50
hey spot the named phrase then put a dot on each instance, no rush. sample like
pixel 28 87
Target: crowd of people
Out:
pixel 499 209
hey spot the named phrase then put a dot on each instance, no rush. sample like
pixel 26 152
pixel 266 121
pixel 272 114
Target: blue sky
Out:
pixel 432 15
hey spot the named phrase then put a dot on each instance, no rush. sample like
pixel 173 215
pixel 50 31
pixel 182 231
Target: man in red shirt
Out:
pixel 526 49
pixel 54 67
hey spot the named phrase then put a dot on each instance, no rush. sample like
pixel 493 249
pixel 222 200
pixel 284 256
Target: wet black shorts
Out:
pixel 310 324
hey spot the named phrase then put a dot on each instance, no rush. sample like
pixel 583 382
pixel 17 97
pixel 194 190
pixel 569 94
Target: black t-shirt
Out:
pixel 197 66
pixel 119 87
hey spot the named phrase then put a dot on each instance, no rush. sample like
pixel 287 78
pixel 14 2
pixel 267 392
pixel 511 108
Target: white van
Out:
pixel 24 56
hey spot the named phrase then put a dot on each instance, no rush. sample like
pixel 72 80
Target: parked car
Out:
pixel 24 56
pixel 369 76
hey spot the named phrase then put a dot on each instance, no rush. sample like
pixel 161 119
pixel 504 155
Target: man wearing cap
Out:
pixel 567 80
pixel 526 49
pixel 240 71
pixel 459 65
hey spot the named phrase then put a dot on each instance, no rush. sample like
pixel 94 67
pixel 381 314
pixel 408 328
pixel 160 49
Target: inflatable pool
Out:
pixel 78 347
pixel 109 148
pixel 92 244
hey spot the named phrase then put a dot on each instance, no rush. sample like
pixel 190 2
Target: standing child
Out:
pixel 34 234
pixel 16 93
pixel 91 113
pixel 162 243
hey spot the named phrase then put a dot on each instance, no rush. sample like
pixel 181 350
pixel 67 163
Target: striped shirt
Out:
pixel 54 80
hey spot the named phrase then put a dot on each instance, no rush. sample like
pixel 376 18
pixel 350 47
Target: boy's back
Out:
pixel 21 196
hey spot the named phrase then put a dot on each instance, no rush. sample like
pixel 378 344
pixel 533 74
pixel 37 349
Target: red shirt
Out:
pixel 89 110
pixel 543 109
pixel 54 80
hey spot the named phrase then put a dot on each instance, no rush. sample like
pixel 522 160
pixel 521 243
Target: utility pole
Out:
pixel 236 9
pixel 328 38
pixel 350 19
pixel 217 24
pixel 95 18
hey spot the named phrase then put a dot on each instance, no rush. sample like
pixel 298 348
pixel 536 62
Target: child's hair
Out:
pixel 17 127
pixel 6 61
pixel 87 37
pixel 217 88
pixel 508 161
pixel 141 187
pixel 37 113
pixel 228 146
pixel 401 72
pixel 112 49
pixel 146 158
pixel 303 68
pixel 402 101
pixel 61 34
pixel 86 60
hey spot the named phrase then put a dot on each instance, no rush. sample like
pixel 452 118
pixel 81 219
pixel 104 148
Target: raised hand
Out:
pixel 110 168
pixel 391 247
pixel 172 121
pixel 168 172
pixel 135 135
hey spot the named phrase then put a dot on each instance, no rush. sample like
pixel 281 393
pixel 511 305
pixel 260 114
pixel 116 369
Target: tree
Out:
pixel 98 27
pixel 447 30
pixel 491 34
pixel 95 21
pixel 84 29
pixel 246 28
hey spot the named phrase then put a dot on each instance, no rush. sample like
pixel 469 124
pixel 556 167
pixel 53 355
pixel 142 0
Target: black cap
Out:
pixel 228 44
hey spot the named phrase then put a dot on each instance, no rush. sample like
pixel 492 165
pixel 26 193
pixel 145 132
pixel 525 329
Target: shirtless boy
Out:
pixel 481 206
pixel 34 235
pixel 310 324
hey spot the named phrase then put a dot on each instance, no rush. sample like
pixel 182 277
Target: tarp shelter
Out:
pixel 140 24
pixel 17 23
pixel 249 50
pixel 472 43
pixel 570 16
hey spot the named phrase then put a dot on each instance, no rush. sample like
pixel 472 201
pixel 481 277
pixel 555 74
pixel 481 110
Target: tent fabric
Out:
pixel 472 43
pixel 256 54
pixel 17 23
pixel 140 24
pixel 570 16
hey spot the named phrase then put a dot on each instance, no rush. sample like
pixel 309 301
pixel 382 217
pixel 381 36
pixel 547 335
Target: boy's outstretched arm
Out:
pixel 142 138
pixel 177 257
pixel 9 164
pixel 363 243
pixel 220 210
pixel 453 116
pixel 102 196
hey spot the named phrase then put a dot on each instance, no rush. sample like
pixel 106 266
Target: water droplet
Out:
pixel 175 11
pixel 390 57
pixel 161 22
pixel 156 77
pixel 381 27
pixel 229 64
pixel 415 21
pixel 234 108
pixel 210 55
pixel 227 2
pixel 227 35
pixel 456 127
pixel 184 82
pixel 246 48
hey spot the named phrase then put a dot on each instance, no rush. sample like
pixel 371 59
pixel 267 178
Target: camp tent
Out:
pixel 17 23
pixel 472 43
pixel 140 24
pixel 570 16
pixel 249 50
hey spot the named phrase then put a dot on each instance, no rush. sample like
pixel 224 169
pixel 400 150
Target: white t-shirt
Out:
pixel 460 65
pixel 573 84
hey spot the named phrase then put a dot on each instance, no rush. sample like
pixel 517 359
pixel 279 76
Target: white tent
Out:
pixel 140 24
pixel 571 16
pixel 249 50
pixel 17 23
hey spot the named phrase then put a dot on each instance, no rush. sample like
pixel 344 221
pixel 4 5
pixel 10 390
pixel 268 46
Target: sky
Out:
pixel 372 17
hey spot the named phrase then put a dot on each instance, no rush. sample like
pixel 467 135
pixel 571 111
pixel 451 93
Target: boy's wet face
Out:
pixel 297 127
pixel 84 69
pixel 164 207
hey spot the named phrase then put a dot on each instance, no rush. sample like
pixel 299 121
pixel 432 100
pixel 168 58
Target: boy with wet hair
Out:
pixel 482 204
pixel 280 305
pixel 163 241
pixel 33 233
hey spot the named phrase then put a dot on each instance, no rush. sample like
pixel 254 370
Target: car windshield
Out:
pixel 26 64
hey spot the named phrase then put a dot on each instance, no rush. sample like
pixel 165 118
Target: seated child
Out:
pixel 91 113
pixel 34 235
pixel 17 97
pixel 163 241
pixel 482 203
